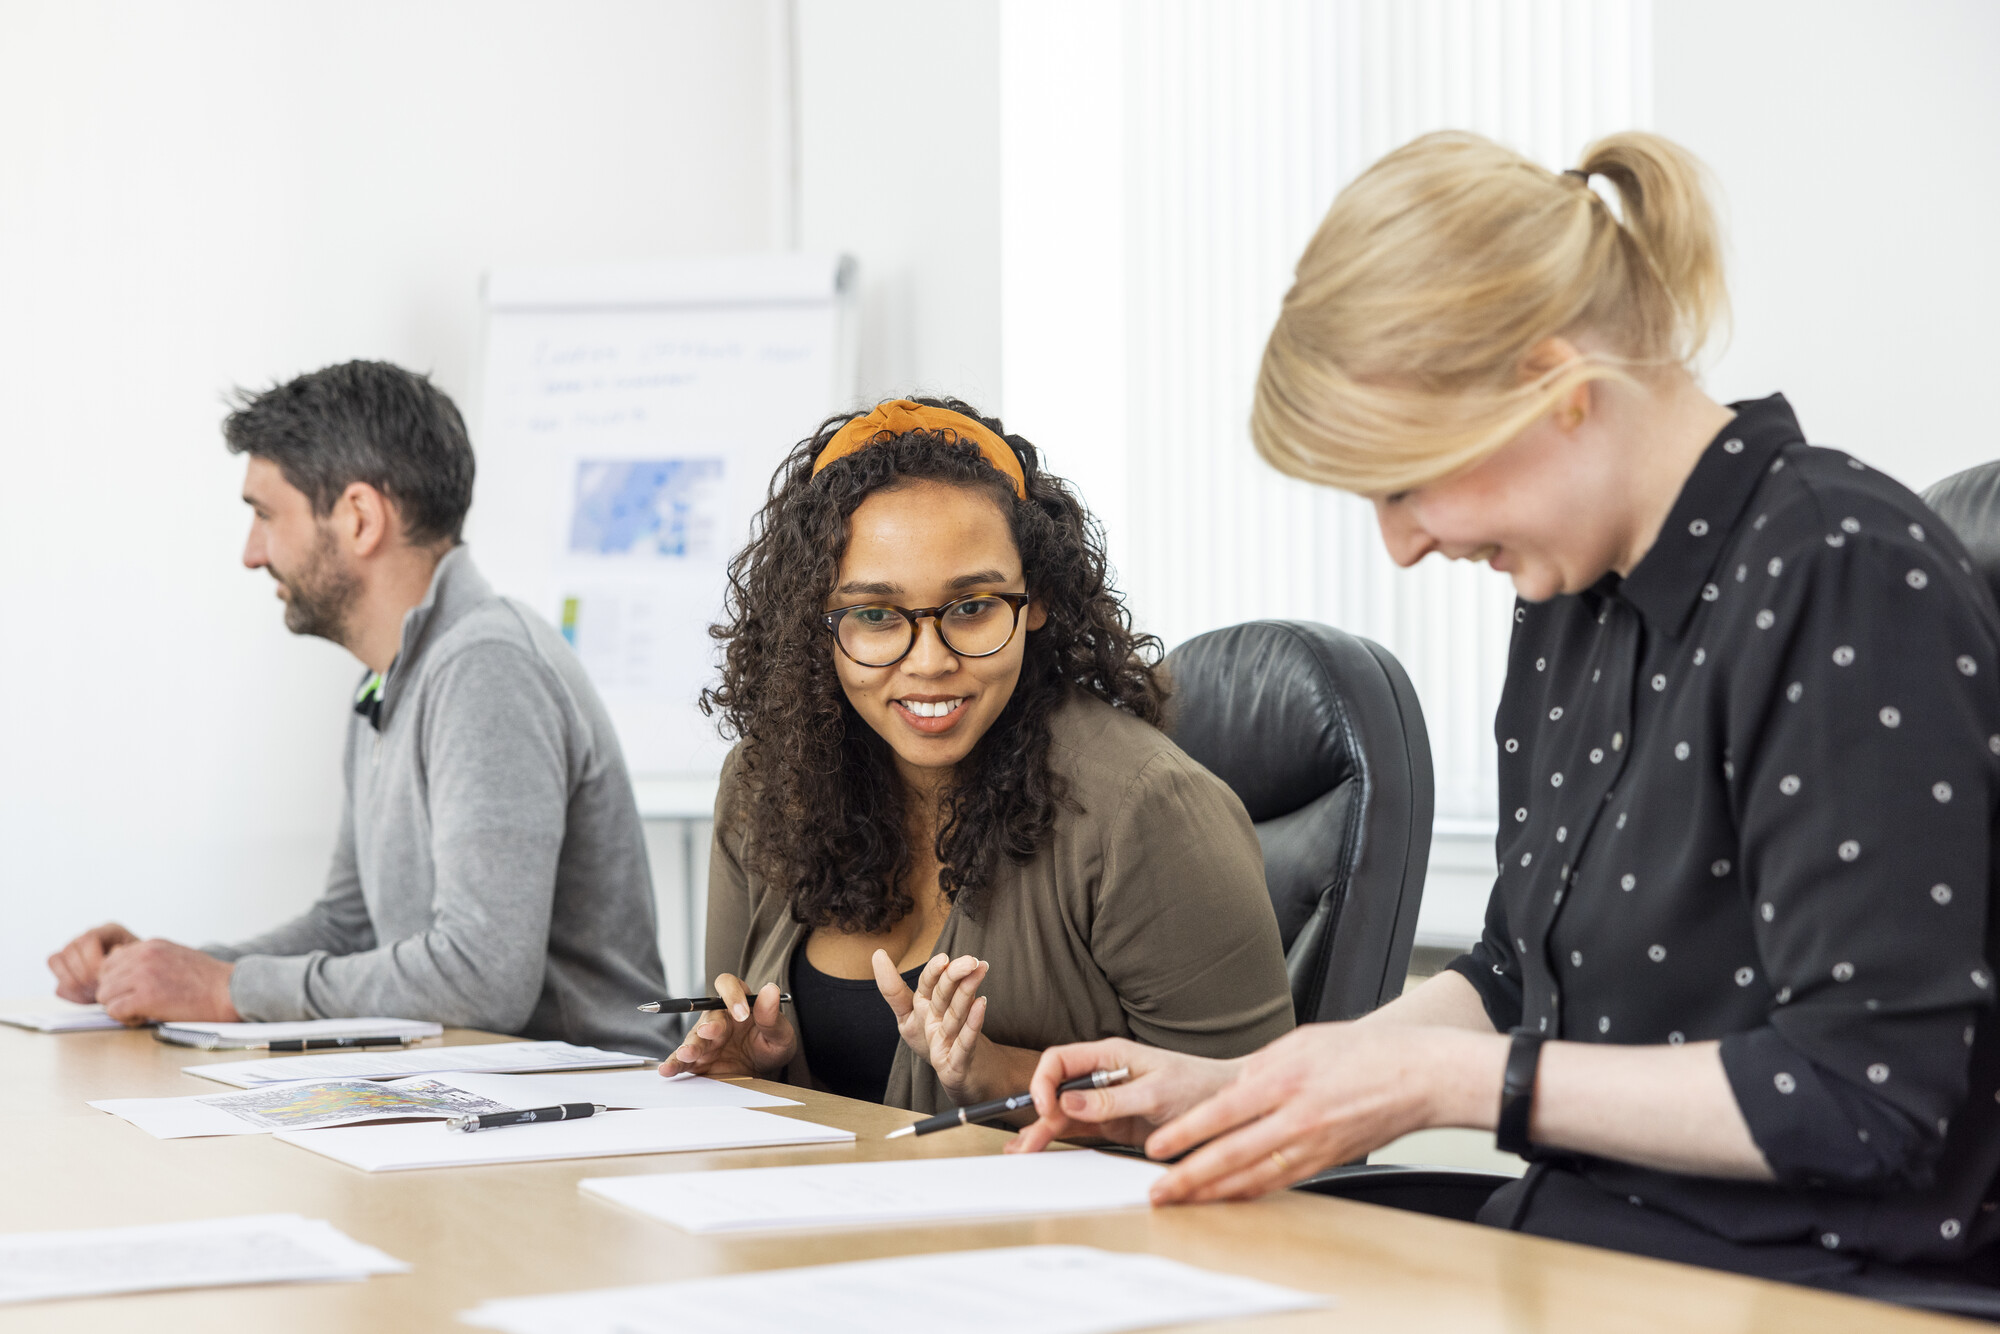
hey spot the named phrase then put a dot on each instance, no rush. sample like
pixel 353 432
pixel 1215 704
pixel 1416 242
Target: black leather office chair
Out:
pixel 1320 734
pixel 1969 502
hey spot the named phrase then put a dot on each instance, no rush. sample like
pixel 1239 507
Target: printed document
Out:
pixel 398 1148
pixel 336 1102
pixel 911 1190
pixel 520 1057
pixel 317 1104
pixel 1046 1289
pixel 260 1248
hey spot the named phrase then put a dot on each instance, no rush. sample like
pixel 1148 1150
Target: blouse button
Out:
pixel 1776 567
pixel 1949 1228
pixel 1830 1240
pixel 1681 751
pixel 1676 1038
pixel 1789 784
pixel 1699 527
pixel 1878 1073
pixel 1784 1082
pixel 1659 682
pixel 1967 665
pixel 1745 976
pixel 1512 745
pixel 1521 815
pixel 1850 525
pixel 1843 972
pixel 1849 850
pixel 1843 655
pixel 1555 780
pixel 1766 619
pixel 1891 716
pixel 1596 755
pixel 1732 446
pixel 1628 881
pixel 1541 664
pixel 1709 592
pixel 1942 791
pixel 1656 952
pixel 1604 1023
pixel 1942 893
pixel 1576 958
pixel 1555 714
pixel 1917 579
pixel 1719 868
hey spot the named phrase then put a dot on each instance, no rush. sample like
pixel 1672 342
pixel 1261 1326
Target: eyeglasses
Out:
pixel 881 634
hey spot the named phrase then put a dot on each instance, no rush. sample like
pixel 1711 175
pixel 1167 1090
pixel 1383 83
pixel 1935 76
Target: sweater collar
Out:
pixel 456 587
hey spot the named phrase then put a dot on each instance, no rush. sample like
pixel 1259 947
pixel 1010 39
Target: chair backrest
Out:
pixel 1969 501
pixel 1319 734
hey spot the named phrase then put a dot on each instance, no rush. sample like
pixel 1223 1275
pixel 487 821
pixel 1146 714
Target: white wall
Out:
pixel 197 195
pixel 1858 150
pixel 899 153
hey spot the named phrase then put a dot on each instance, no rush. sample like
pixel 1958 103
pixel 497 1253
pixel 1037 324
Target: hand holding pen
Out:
pixel 740 1037
pixel 999 1107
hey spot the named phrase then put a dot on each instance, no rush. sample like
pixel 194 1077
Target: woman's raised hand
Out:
pixel 941 1019
pixel 1162 1086
pixel 749 1039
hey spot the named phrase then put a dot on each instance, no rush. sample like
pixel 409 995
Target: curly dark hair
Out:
pixel 816 773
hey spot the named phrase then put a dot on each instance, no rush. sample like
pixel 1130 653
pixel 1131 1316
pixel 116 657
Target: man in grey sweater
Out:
pixel 490 869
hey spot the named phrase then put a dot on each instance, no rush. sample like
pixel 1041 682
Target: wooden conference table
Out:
pixel 482 1232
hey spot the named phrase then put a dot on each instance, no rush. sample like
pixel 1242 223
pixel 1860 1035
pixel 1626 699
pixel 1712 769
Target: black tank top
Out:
pixel 847 1030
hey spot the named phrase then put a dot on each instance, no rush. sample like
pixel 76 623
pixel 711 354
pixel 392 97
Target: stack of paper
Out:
pixel 261 1248
pixel 77 1019
pixel 1046 1289
pixel 398 1148
pixel 316 1104
pixel 221 1037
pixel 910 1190
pixel 517 1057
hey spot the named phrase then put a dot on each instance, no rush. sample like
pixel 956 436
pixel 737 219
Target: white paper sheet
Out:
pixel 911 1190
pixel 196 1030
pixel 397 1148
pixel 259 1248
pixel 317 1104
pixel 75 1019
pixel 521 1057
pixel 1046 1289
pixel 308 1106
pixel 615 1088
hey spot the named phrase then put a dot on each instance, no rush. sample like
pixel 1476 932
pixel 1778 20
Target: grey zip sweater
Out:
pixel 490 869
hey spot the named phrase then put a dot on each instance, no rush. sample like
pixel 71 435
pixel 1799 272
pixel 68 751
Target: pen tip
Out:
pixel 650 1007
pixel 898 1134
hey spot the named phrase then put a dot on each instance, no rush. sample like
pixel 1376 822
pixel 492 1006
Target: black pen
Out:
pixel 689 1004
pixel 986 1111
pixel 330 1044
pixel 568 1111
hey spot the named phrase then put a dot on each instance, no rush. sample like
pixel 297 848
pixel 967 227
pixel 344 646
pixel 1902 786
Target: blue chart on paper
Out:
pixel 646 507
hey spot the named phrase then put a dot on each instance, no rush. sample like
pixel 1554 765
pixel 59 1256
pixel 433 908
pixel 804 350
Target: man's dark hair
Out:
pixel 364 421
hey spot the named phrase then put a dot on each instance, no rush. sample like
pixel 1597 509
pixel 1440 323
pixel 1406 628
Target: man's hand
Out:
pixel 78 964
pixel 147 980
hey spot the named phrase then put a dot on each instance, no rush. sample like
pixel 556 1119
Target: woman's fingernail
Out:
pixel 684 1054
pixel 742 1013
pixel 1073 1102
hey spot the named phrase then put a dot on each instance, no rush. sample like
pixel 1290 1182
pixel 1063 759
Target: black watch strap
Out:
pixel 1517 1093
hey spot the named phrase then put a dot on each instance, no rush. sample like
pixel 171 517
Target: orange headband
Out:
pixel 899 415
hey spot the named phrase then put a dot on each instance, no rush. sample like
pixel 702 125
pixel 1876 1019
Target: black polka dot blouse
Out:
pixel 1748 794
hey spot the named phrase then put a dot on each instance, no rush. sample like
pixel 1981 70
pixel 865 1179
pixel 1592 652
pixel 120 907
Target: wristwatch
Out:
pixel 1517 1093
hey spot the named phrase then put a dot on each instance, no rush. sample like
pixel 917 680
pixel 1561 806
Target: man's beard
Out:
pixel 321 593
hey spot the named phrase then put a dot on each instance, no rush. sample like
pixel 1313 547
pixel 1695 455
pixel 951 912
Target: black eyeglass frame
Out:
pixel 915 616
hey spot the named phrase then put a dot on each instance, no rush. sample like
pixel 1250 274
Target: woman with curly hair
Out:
pixel 951 813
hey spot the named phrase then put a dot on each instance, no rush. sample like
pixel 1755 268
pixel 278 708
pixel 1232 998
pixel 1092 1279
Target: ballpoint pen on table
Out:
pixel 986 1111
pixel 214 1042
pixel 568 1111
pixel 689 1004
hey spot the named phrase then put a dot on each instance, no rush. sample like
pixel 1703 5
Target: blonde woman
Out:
pixel 1733 997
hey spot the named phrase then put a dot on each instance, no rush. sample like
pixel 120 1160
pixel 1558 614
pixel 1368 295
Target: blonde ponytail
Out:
pixel 1397 356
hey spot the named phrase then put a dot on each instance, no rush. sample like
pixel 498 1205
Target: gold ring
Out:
pixel 1284 1164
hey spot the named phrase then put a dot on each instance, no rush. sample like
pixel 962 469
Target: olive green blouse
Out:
pixel 1144 915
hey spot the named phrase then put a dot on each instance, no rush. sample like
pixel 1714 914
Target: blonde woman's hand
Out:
pixel 750 1039
pixel 941 1019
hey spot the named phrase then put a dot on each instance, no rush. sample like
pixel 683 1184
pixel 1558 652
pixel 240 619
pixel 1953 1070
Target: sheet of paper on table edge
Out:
pixel 676 1197
pixel 81 1019
pixel 673 1305
pixel 410 1146
pixel 257 1072
pixel 346 1260
pixel 285 1030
